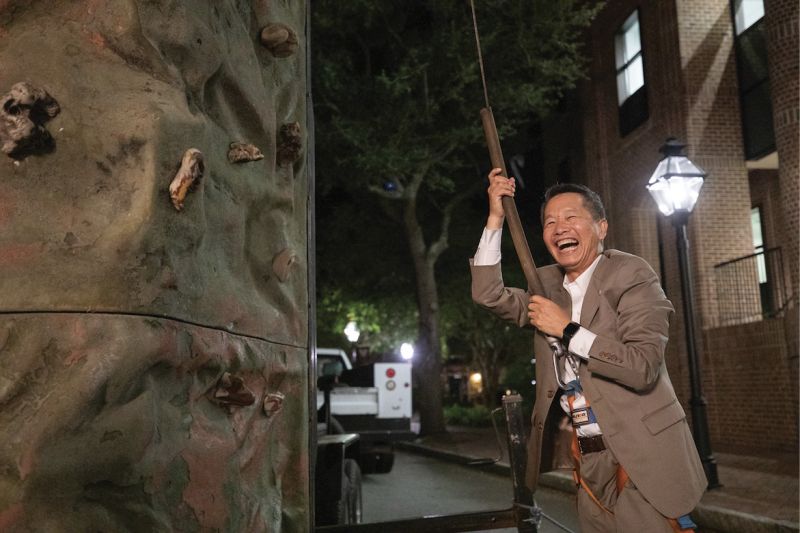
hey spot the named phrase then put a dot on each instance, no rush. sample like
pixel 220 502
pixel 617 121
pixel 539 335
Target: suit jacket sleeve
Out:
pixel 489 291
pixel 631 351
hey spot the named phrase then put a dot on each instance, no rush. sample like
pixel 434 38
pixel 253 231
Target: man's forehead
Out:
pixel 568 201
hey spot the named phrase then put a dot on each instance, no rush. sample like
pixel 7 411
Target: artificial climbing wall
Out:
pixel 153 274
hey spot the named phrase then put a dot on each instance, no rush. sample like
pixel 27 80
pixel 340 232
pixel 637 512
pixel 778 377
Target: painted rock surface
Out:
pixel 153 360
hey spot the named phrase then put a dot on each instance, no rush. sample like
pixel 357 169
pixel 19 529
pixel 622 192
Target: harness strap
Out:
pixel 576 473
pixel 576 458
pixel 621 479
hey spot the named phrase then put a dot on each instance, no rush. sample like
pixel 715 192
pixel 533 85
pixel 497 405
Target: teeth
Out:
pixel 566 243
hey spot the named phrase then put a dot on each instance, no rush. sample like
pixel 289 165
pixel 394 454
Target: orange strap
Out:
pixel 622 478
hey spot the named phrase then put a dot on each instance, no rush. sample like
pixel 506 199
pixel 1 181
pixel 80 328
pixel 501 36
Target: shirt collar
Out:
pixel 582 281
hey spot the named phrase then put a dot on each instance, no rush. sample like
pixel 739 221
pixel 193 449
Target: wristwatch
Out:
pixel 569 331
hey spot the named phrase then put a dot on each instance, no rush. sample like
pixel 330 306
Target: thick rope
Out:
pixel 480 56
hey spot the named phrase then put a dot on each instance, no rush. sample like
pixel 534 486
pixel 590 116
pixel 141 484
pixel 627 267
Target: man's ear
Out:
pixel 603 228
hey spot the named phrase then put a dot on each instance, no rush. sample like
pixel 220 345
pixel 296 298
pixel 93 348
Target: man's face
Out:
pixel 571 235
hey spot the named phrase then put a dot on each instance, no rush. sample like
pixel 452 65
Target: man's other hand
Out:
pixel 547 316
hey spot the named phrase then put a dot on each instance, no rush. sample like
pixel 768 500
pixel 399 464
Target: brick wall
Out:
pixel 690 77
pixel 781 24
pixel 720 224
pixel 751 388
pixel 690 74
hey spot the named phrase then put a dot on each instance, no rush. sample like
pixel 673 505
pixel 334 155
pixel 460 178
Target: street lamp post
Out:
pixel 675 186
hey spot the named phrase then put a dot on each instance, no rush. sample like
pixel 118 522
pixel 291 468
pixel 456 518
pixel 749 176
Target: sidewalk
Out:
pixel 759 495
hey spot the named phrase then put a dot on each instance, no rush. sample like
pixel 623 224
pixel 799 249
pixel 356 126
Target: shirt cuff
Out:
pixel 582 342
pixel 488 252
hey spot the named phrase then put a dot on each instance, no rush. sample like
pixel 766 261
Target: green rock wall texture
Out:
pixel 153 362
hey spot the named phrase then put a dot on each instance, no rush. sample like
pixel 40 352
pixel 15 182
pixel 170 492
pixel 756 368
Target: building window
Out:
pixel 746 13
pixel 754 90
pixel 631 91
pixel 758 244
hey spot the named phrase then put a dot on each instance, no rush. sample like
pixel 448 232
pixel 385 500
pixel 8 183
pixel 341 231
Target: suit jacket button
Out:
pixel 540 425
pixel 550 394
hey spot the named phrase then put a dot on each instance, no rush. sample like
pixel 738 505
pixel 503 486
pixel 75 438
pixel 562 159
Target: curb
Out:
pixel 709 518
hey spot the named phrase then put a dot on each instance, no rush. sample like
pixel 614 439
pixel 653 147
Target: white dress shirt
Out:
pixel 488 253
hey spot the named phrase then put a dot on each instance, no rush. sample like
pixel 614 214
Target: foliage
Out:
pixel 397 84
pixel 490 343
pixel 472 416
pixel 385 322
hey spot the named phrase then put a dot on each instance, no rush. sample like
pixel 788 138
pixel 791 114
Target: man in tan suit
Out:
pixel 635 459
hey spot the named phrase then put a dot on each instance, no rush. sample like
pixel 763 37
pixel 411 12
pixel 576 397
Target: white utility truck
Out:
pixel 373 401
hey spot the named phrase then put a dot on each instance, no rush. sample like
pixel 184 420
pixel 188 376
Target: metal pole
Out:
pixel 697 401
pixel 517 458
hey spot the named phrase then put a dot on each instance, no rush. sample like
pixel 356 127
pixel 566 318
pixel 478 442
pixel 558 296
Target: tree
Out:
pixel 397 95
pixel 491 343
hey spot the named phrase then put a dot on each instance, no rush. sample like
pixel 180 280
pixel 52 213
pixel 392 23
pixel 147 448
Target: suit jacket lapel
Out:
pixel 591 300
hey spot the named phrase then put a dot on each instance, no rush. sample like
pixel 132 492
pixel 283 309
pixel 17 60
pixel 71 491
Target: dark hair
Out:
pixel 591 200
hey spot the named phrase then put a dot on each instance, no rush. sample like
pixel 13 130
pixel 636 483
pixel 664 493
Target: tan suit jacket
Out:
pixel 625 379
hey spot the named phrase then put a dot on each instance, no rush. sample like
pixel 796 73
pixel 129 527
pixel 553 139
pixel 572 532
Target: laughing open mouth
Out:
pixel 567 244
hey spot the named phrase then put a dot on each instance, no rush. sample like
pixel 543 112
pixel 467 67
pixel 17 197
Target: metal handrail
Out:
pixel 752 287
pixel 755 254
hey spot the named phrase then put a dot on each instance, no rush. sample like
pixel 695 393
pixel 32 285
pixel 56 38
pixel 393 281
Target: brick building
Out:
pixel 721 76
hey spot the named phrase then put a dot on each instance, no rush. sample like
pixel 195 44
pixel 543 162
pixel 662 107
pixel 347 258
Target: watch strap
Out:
pixel 569 331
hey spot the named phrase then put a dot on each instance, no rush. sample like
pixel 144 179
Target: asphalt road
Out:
pixel 422 486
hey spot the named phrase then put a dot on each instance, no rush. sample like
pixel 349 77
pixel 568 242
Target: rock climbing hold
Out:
pixel 290 143
pixel 282 264
pixel 23 112
pixel 231 391
pixel 240 152
pixel 191 171
pixel 279 39
pixel 273 403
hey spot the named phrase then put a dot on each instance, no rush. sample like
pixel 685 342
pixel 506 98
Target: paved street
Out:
pixel 419 486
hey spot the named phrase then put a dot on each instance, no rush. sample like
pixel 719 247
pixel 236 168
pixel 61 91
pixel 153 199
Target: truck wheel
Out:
pixel 351 492
pixel 367 461
pixel 349 509
pixel 384 462
pixel 330 513
pixel 377 460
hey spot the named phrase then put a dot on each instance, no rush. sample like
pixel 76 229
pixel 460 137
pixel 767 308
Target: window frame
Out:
pixel 752 148
pixel 634 110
